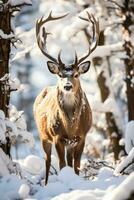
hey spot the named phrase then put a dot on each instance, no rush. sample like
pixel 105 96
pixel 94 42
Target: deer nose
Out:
pixel 68 87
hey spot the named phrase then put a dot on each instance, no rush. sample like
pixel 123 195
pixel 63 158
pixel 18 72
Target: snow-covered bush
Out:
pixel 14 128
pixel 91 167
pixel 7 166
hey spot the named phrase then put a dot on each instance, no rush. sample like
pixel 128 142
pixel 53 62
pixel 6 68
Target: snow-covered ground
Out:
pixel 65 185
pixel 24 179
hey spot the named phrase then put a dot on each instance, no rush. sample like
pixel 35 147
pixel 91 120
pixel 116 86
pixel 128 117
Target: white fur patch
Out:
pixel 69 98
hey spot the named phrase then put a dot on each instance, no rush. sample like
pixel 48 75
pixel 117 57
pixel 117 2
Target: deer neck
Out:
pixel 70 103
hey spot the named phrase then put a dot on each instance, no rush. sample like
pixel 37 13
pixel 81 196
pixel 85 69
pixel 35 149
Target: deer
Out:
pixel 62 112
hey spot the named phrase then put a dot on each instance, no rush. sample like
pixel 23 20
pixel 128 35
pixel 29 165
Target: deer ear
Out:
pixel 84 67
pixel 53 67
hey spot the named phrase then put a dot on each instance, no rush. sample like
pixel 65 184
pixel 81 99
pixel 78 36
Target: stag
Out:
pixel 62 112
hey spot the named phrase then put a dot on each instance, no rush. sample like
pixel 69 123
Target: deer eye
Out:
pixel 76 75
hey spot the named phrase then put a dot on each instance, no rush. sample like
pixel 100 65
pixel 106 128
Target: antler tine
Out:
pixel 95 24
pixel 95 32
pixel 76 59
pixel 42 44
pixel 59 59
pixel 50 17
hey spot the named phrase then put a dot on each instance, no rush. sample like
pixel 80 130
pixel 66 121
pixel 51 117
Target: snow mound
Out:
pixel 33 164
pixel 80 195
pixel 51 190
pixel 10 186
pixel 123 191
pixel 24 191
pixel 67 175
pixel 105 173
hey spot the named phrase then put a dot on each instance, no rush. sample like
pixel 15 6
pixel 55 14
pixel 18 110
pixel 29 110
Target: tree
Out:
pixel 7 38
pixel 125 12
pixel 113 132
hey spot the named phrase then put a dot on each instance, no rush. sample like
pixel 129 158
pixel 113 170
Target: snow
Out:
pixel 24 191
pixel 80 195
pixel 3 163
pixel 22 135
pixel 124 190
pixel 22 53
pixel 16 2
pixel 9 187
pixel 129 136
pixel 15 128
pixel 108 105
pixel 33 164
pixel 14 83
pixel 7 166
pixel 125 162
pixel 2 115
pixel 126 165
pixel 65 185
pixel 12 130
pixel 6 36
pixel 2 127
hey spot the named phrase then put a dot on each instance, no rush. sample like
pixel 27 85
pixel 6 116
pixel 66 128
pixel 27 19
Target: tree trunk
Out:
pixel 127 10
pixel 5 26
pixel 112 129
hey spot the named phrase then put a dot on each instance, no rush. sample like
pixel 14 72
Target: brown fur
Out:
pixel 62 125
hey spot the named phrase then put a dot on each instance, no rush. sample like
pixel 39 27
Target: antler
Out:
pixel 42 43
pixel 95 39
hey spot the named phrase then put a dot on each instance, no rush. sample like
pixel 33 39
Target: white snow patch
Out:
pixel 105 173
pixel 2 127
pixel 67 175
pixel 125 162
pixel 16 2
pixel 129 136
pixel 24 191
pixel 6 36
pixel 9 187
pixel 33 164
pixel 123 191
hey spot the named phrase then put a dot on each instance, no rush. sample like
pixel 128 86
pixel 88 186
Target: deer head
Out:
pixel 68 74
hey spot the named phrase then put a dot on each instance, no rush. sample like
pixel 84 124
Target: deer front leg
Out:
pixel 61 154
pixel 77 155
pixel 47 148
pixel 70 157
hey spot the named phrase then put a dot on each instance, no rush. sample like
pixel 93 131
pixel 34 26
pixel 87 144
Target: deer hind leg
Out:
pixel 70 157
pixel 77 155
pixel 61 154
pixel 47 148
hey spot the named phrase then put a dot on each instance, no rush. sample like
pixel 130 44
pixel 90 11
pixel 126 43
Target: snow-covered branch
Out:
pixel 20 2
pixel 123 191
pixel 10 83
pixel 15 128
pixel 129 160
pixel 6 36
